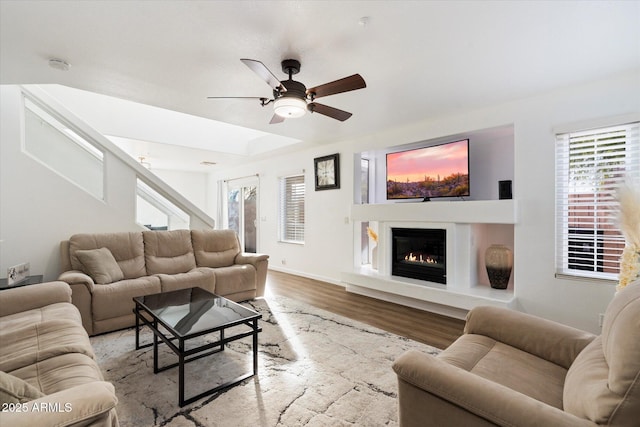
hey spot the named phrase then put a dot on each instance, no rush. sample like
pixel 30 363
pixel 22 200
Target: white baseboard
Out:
pixel 307 275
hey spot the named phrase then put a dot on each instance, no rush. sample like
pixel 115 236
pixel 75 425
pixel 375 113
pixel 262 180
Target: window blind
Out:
pixel 590 166
pixel 292 194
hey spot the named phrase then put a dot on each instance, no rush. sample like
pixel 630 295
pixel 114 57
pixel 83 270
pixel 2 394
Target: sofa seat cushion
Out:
pixel 524 372
pixel 126 248
pixel 57 311
pixel 200 277
pixel 41 341
pixel 60 373
pixel 16 390
pixel 215 248
pixel 168 252
pixel 100 265
pixel 116 299
pixel 235 279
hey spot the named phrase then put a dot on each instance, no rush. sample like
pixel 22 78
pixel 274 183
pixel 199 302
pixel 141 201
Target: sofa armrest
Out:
pixel 81 405
pixel 548 340
pixel 74 277
pixel 261 264
pixel 250 258
pixel 33 296
pixel 81 294
pixel 471 393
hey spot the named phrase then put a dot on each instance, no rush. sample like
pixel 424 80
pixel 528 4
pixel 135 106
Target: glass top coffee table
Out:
pixel 176 317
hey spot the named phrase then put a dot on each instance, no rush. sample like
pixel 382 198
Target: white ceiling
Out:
pixel 420 59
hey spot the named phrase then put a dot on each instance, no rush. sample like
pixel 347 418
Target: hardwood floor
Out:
pixel 428 328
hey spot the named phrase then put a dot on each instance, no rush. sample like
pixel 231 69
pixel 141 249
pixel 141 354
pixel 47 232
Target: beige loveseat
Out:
pixel 48 375
pixel 107 270
pixel 513 369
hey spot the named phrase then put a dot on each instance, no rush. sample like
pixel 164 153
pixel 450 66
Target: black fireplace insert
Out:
pixel 419 253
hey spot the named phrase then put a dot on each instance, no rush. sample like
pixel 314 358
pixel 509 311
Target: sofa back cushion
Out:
pixel 603 384
pixel 127 249
pixel 215 248
pixel 168 252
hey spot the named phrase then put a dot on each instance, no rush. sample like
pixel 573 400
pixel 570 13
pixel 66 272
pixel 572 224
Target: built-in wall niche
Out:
pixel 485 235
pixel 491 159
pixel 472 224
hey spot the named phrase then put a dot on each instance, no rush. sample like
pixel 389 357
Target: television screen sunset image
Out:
pixel 437 171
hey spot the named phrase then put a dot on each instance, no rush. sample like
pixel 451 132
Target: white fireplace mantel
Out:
pixel 457 211
pixel 464 222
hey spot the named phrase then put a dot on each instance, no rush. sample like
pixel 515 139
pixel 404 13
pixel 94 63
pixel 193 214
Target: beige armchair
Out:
pixel 514 369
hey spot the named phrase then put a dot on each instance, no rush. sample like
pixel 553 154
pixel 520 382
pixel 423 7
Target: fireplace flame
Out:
pixel 419 259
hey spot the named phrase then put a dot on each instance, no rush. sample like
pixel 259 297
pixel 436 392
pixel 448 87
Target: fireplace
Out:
pixel 419 253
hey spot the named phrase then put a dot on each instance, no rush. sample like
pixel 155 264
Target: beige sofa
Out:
pixel 48 375
pixel 514 369
pixel 105 271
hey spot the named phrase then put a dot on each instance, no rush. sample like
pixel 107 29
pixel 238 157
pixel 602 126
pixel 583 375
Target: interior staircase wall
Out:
pixel 39 208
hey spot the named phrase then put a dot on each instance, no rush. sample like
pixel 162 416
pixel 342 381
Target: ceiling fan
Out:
pixel 292 99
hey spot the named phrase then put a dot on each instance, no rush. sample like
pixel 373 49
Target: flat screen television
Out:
pixel 429 172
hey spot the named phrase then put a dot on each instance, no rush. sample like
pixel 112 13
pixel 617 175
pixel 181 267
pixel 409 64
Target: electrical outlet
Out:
pixel 284 261
pixel 600 319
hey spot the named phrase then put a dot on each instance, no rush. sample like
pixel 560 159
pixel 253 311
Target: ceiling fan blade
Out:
pixel 259 98
pixel 334 113
pixel 343 85
pixel 276 119
pixel 261 70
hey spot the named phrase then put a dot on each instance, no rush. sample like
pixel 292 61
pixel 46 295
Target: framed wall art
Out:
pixel 327 172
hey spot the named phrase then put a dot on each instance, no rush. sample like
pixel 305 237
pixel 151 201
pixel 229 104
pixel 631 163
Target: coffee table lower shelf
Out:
pixel 185 356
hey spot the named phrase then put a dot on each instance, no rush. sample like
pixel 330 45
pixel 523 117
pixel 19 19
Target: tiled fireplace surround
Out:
pixel 471 226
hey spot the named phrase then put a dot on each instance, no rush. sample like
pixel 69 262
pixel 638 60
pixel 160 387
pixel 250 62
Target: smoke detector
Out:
pixel 59 64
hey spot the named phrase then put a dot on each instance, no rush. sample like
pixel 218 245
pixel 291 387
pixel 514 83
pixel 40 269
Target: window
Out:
pixel 364 199
pixel 292 190
pixel 156 212
pixel 590 166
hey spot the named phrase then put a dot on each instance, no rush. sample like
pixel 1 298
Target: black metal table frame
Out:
pixel 186 356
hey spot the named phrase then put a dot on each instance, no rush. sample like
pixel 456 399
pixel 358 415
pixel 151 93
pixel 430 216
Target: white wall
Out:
pixel 39 208
pixel 192 185
pixel 328 245
pixel 325 213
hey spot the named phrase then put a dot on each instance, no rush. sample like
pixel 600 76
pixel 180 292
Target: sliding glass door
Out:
pixel 242 212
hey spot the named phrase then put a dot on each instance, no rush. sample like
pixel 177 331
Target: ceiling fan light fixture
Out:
pixel 290 107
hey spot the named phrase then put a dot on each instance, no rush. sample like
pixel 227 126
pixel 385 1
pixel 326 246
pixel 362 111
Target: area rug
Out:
pixel 315 368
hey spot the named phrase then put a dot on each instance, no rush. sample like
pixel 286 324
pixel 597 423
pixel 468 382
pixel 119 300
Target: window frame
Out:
pixel 604 157
pixel 291 224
